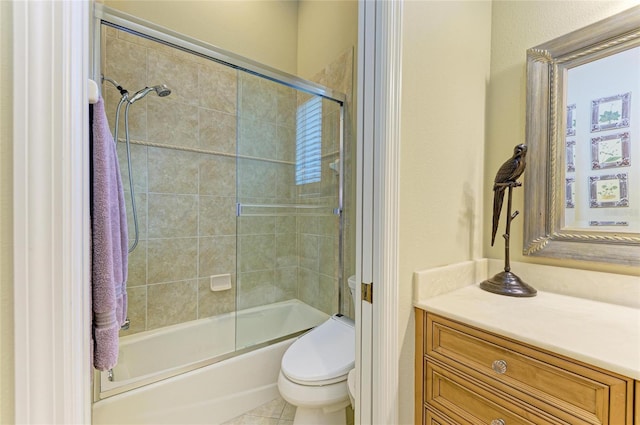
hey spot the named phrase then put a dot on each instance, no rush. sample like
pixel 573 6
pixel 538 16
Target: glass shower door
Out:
pixel 289 223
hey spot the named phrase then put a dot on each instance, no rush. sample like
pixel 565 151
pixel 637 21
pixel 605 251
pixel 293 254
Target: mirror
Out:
pixel 582 188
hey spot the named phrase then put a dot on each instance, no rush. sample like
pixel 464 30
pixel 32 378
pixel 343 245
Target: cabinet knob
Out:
pixel 498 422
pixel 499 366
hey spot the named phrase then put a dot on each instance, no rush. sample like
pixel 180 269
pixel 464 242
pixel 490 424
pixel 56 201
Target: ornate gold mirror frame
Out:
pixel 547 111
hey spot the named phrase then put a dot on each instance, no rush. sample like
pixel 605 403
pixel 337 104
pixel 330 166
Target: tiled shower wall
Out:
pixel 185 198
pixel 186 177
pixel 338 75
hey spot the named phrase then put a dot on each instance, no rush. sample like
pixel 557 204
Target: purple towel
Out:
pixel 109 243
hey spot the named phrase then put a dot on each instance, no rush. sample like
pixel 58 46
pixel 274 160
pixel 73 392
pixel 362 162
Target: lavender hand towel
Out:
pixel 109 243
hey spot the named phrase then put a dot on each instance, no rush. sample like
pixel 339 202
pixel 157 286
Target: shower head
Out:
pixel 161 90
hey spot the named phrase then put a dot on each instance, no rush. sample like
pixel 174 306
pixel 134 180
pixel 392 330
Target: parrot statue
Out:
pixel 507 174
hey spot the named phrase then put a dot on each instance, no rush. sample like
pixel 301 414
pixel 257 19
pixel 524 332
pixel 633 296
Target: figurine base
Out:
pixel 507 283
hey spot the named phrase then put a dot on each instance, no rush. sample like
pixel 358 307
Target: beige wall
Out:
pixel 445 71
pixel 457 110
pixel 265 31
pixel 326 28
pixel 517 26
pixel 6 214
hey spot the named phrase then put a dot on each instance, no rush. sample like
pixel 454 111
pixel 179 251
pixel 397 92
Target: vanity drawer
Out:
pixel 469 401
pixel 565 389
pixel 435 418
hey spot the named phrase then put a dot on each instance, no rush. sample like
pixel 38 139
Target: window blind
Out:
pixel 309 141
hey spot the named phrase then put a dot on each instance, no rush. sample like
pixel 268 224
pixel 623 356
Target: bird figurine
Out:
pixel 506 176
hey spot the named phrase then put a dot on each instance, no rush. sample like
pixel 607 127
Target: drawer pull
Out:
pixel 499 366
pixel 498 422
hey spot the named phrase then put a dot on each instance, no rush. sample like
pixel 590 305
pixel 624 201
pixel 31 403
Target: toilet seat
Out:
pixel 323 356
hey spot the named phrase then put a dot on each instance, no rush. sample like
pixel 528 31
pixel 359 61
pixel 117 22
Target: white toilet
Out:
pixel 314 369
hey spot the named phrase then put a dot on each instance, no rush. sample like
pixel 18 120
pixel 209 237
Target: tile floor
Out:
pixel 275 412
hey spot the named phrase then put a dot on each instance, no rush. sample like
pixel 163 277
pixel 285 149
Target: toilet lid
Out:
pixel 325 353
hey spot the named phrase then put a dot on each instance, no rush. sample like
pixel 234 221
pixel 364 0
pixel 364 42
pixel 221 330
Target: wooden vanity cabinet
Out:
pixel 465 375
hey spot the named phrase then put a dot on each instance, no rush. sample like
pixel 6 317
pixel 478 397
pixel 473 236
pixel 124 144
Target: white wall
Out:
pixel 517 26
pixel 6 216
pixel 445 72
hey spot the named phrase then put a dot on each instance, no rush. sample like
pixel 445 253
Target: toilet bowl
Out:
pixel 314 369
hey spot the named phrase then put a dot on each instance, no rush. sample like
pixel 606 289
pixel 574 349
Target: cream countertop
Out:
pixel 599 333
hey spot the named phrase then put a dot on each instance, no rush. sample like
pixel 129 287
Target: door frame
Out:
pixel 378 199
pixel 52 313
pixel 52 319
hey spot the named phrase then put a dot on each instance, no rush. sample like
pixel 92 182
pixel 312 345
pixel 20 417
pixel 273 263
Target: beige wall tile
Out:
pixel 257 178
pixel 286 224
pixel 307 224
pixel 286 250
pixel 138 166
pixel 170 122
pixel 137 270
pixel 286 143
pixel 172 259
pixel 256 252
pixel 217 255
pixel 173 216
pixel 217 131
pixel 217 215
pixel 217 175
pixel 126 63
pixel 309 256
pixel 257 138
pixel 287 106
pixel 218 87
pixel 141 214
pixel 171 303
pixel 286 285
pixel 256 288
pixel 258 98
pixel 308 286
pixel 173 171
pixel 327 294
pixel 328 225
pixel 178 72
pixel 257 225
pixel 327 256
pixel 214 303
pixel 286 188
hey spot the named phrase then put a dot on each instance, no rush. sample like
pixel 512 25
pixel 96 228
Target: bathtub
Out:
pixel 201 371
